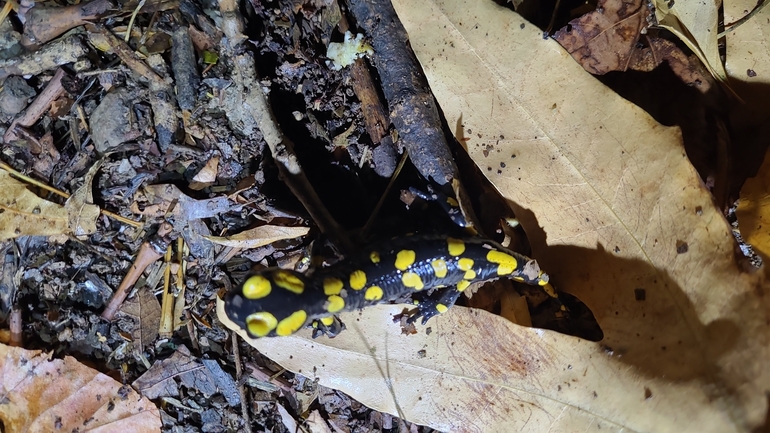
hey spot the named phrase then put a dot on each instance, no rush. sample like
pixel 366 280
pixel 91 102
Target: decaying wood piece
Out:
pixel 375 116
pixel 248 109
pixel 57 53
pixel 185 69
pixel 412 109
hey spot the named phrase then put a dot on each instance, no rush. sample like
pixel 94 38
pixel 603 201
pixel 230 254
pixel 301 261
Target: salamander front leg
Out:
pixel 433 305
pixel 330 326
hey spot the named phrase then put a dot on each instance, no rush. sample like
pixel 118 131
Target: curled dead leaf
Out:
pixel 40 394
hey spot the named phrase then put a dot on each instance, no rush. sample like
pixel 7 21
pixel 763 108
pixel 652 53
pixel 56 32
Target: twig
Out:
pixel 376 211
pixel 375 116
pixel 743 20
pixel 413 110
pixel 241 384
pixel 167 300
pixel 38 107
pixel 150 251
pixel 14 324
pixel 131 21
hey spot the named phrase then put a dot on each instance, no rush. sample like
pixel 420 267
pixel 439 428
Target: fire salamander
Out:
pixel 278 302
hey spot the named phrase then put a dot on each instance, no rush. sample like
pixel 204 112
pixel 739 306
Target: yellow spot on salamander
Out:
pixel 289 281
pixel 327 320
pixel 439 267
pixel 404 259
pixel 256 287
pixel 462 285
pixel 506 263
pixel 412 280
pixel 291 324
pixel 452 202
pixel 455 246
pixel 260 324
pixel 373 293
pixel 336 303
pixel 470 274
pixel 332 286
pixel 358 280
pixel 548 288
pixel 374 256
pixel 441 308
pixel 465 264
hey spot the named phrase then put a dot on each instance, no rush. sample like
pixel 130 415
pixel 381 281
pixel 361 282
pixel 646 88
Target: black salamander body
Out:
pixel 278 302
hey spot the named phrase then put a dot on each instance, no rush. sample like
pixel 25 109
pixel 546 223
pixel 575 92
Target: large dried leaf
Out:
pixel 24 213
pixel 748 65
pixel 754 210
pixel 44 395
pixel 694 22
pixel 627 226
pixel 748 46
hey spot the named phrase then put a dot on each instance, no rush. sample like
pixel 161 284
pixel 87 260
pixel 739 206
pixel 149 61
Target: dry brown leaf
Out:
pixel 748 46
pixel 604 40
pixel 754 211
pixel 623 222
pixel 24 213
pixel 44 395
pixel 207 175
pixel 259 236
pixel 747 60
pixel 80 206
pixel 206 377
pixel 144 309
pixel 316 423
pixel 694 22
pixel 159 200
pixel 288 421
pixel 160 380
pixel 688 69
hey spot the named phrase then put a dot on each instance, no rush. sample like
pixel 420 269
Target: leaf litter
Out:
pixel 612 208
